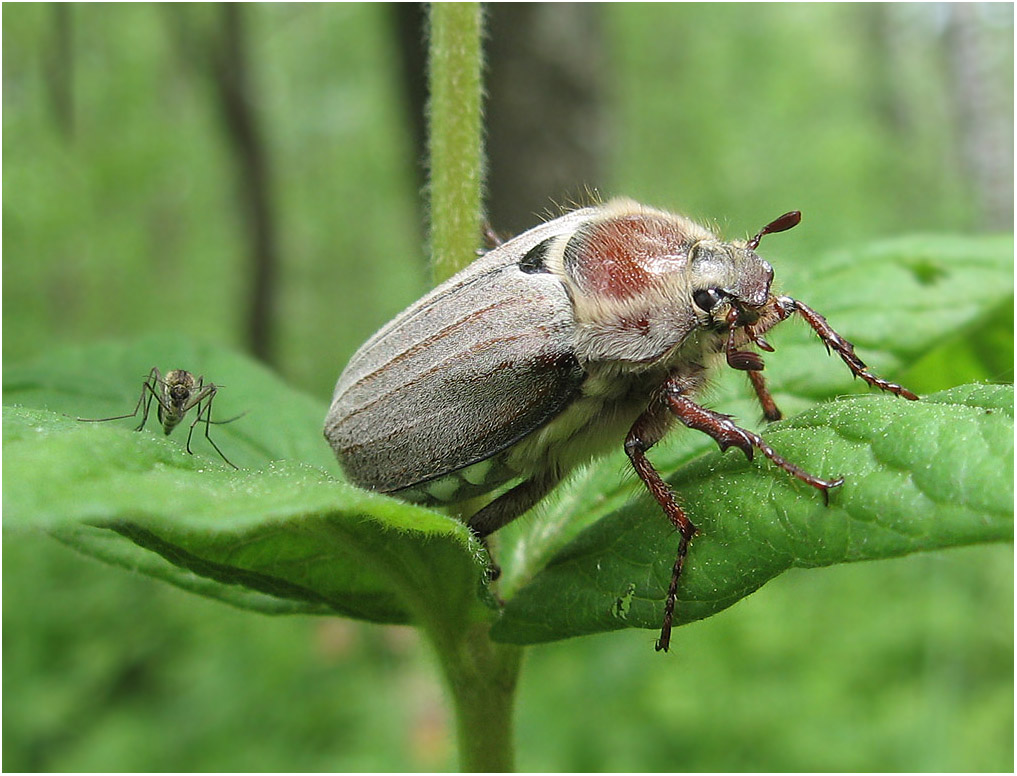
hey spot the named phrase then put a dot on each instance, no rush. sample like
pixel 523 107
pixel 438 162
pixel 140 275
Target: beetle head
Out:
pixel 734 273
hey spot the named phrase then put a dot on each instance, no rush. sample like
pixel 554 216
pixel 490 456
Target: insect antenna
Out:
pixel 781 224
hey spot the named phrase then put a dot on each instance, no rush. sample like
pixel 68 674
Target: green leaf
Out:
pixel 280 535
pixel 918 476
pixel 102 380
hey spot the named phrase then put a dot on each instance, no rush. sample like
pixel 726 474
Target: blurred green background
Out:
pixel 131 194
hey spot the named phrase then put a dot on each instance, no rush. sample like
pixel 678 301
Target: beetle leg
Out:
pixel 647 431
pixel 770 409
pixel 727 434
pixel 750 362
pixel 644 434
pixel 744 360
pixel 786 306
pixel 511 504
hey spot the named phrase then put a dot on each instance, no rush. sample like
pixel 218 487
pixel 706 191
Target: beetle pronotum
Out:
pixel 176 394
pixel 590 330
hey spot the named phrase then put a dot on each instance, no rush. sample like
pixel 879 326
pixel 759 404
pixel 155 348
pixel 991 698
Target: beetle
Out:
pixel 176 394
pixel 594 329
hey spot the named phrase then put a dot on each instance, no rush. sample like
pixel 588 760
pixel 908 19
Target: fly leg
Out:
pixel 204 393
pixel 148 391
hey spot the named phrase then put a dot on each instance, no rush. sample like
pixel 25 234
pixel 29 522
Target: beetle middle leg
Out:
pixel 648 429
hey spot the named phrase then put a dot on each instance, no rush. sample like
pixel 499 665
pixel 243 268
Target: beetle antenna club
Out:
pixel 176 395
pixel 782 224
pixel 593 329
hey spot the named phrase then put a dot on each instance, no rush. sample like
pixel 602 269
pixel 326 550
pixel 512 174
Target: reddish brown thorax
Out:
pixel 623 257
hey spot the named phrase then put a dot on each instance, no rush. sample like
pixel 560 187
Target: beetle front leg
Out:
pixel 771 411
pixel 787 306
pixel 749 362
pixel 644 434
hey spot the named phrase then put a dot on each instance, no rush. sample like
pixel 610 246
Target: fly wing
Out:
pixel 471 368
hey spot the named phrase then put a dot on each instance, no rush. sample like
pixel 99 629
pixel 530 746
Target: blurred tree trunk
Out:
pixel 58 67
pixel 970 47
pixel 222 54
pixel 546 118
pixel 983 105
pixel 232 77
pixel 409 24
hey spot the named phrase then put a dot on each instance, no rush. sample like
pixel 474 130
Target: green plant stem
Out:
pixel 456 140
pixel 481 677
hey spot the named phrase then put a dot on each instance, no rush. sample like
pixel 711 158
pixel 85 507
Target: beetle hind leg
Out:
pixel 511 504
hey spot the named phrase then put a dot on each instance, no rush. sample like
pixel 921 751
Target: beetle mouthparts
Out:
pixel 745 360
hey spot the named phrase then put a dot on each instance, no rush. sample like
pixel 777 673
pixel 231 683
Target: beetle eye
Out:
pixel 707 298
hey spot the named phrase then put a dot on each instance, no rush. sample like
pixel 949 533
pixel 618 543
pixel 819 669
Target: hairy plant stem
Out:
pixel 455 136
pixel 481 675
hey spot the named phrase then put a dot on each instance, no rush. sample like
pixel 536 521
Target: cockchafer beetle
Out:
pixel 590 330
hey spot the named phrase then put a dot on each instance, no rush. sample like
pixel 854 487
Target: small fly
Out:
pixel 177 394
